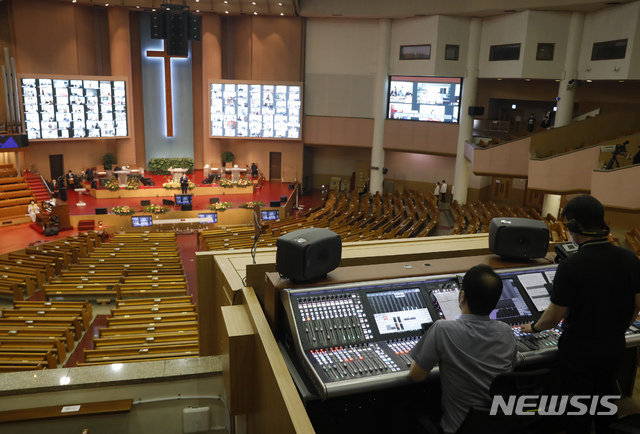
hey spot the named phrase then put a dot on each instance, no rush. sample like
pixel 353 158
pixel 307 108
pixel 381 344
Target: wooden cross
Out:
pixel 167 84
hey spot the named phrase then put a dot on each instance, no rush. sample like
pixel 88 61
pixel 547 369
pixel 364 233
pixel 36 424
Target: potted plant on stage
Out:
pixel 227 157
pixel 108 160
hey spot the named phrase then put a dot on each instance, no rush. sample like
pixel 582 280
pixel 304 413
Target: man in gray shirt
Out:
pixel 469 351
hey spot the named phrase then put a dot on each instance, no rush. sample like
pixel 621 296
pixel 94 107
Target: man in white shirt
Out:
pixel 443 190
pixel 436 192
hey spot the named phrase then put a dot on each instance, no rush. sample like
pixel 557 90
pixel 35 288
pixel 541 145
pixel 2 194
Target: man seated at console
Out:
pixel 469 351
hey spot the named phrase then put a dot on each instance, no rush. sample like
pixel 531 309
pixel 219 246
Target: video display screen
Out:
pixel 511 303
pixel 427 99
pixel 141 221
pixel 255 110
pixel 183 199
pixel 399 311
pixel 270 214
pixel 68 109
pixel 209 215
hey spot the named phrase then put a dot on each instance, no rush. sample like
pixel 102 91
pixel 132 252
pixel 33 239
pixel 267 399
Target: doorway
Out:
pixel 56 166
pixel 501 189
pixel 275 168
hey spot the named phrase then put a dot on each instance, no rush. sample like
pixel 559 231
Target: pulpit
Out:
pixel 177 173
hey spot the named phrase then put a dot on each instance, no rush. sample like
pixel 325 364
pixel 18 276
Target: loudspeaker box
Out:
pixel 518 238
pixel 307 254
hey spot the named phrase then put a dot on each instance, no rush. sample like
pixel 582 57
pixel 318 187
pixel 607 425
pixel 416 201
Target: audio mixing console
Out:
pixel 355 338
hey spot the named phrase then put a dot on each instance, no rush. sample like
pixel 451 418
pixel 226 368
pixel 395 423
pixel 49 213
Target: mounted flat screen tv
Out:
pixel 255 109
pixel 183 199
pixel 426 99
pixel 209 215
pixel 140 221
pixel 74 107
pixel 270 214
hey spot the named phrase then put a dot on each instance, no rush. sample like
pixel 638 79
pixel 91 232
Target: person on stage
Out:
pixel 33 209
pixel 184 183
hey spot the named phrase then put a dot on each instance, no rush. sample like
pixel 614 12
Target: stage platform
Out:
pixel 212 190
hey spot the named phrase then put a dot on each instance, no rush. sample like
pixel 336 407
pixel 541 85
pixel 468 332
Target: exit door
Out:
pixel 500 189
pixel 275 169
pixel 56 166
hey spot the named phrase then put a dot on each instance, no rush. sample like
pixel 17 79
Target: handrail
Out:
pixel 46 184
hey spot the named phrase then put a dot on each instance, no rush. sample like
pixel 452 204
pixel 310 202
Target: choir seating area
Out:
pixel 15 194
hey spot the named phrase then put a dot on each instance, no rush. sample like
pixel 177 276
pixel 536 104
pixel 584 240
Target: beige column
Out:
pixel 120 51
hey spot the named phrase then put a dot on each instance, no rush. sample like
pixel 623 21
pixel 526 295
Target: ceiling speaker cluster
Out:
pixel 177 26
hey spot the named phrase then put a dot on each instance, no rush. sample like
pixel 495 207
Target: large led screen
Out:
pixel 67 108
pixel 255 110
pixel 429 99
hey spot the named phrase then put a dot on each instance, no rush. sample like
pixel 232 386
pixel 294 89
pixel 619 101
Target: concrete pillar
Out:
pixel 567 90
pixel 120 52
pixel 551 205
pixel 380 94
pixel 465 129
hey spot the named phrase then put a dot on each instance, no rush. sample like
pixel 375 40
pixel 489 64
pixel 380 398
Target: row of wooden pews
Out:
pixel 37 335
pixel 15 193
pixel 354 218
pixel 147 329
pixel 29 270
pixel 131 265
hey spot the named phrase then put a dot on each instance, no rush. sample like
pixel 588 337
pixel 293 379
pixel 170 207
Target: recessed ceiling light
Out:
pixel 253 3
pixel 226 12
pixel 527 79
pixel 255 13
pixel 197 10
pixel 279 4
pixel 73 1
pixel 281 13
pixel 589 81
pixel 499 79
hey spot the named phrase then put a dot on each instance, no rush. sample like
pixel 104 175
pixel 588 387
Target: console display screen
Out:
pixel 399 311
pixel 511 303
pixel 448 303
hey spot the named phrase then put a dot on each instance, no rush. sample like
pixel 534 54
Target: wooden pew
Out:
pixel 26 281
pixel 12 290
pixel 150 330
pixel 53 266
pixel 144 340
pixel 20 366
pixel 39 312
pixel 152 309
pixel 154 301
pixel 17 357
pixel 112 355
pixel 55 345
pixel 80 305
pixel 29 331
pixel 38 273
pixel 74 290
pixel 69 322
pixel 161 317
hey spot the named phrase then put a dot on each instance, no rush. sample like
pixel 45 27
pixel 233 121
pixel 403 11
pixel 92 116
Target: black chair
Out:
pixel 480 421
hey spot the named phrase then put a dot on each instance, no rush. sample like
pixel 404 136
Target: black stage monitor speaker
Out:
pixel 292 186
pixel 274 203
pixel 63 194
pixel 307 254
pixel 186 207
pixel 214 200
pixel 103 182
pixel 476 111
pixel 94 184
pixel 283 198
pixel 518 238
pixel 51 231
pixel 101 210
pixel 168 202
pixel 145 202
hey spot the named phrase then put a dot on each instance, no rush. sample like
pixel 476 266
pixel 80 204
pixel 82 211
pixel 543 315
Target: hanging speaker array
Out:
pixel 177 26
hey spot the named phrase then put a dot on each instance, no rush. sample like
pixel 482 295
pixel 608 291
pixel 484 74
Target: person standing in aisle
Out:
pixel 436 192
pixel 443 191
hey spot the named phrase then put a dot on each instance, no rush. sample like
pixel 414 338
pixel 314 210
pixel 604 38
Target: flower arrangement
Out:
pixel 174 185
pixel 226 183
pixel 244 182
pixel 132 183
pixel 112 184
pixel 123 210
pixel 156 209
pixel 220 206
pixel 250 205
pixel 171 184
